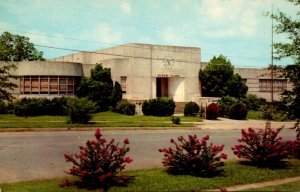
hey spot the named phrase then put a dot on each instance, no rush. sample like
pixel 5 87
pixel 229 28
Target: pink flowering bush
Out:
pixel 193 156
pixel 263 147
pixel 99 162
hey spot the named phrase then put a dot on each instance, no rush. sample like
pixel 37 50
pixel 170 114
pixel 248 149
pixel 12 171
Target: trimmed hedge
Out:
pixel 40 106
pixel 162 106
pixel 191 109
pixel 238 111
pixel 212 111
pixel 125 107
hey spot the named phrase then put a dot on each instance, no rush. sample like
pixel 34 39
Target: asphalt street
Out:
pixel 38 155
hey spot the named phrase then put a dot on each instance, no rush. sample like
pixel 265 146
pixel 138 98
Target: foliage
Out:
pixel 175 120
pixel 194 157
pixel 80 110
pixel 290 49
pixel 99 162
pixel 116 94
pixel 238 111
pixel 162 106
pixel 236 87
pixel 156 179
pixel 212 111
pixel 5 82
pixel 267 112
pixel 263 148
pixel 6 107
pixel 253 102
pixel 97 88
pixel 225 103
pixel 218 79
pixel 191 109
pixel 125 107
pixel 40 106
pixel 18 48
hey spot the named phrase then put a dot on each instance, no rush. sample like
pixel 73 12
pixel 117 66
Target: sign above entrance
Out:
pixel 166 75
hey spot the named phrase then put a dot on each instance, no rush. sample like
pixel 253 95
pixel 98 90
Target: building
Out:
pixel 144 71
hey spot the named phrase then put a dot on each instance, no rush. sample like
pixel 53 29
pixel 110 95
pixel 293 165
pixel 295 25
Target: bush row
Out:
pixel 40 106
pixel 99 163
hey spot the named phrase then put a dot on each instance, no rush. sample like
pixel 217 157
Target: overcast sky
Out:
pixel 237 29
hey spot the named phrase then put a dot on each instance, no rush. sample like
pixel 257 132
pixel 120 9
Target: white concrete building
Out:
pixel 144 71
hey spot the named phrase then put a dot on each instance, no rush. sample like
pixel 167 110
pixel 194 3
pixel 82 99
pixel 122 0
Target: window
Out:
pixel 123 83
pixel 279 85
pixel 47 85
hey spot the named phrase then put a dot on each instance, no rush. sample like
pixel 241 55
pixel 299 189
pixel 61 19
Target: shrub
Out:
pixel 267 112
pixel 99 162
pixel 40 106
pixel 192 156
pixel 161 106
pixel 253 102
pixel 80 110
pixel 4 107
pixel 191 109
pixel 212 111
pixel 238 111
pixel 263 148
pixel 125 107
pixel 225 103
pixel 116 94
pixel 175 120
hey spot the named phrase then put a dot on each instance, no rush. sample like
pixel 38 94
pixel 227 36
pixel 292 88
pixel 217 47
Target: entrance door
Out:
pixel 162 87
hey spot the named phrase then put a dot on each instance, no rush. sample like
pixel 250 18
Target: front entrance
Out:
pixel 162 87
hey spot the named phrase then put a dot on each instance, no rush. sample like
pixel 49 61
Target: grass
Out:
pixel 257 115
pixel 104 119
pixel 158 180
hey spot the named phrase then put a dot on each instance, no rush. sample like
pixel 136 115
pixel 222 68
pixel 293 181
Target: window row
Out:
pixel 279 85
pixel 47 85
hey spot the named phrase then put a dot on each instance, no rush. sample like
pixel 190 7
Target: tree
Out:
pixel 5 82
pixel 18 48
pixel 290 49
pixel 218 79
pixel 97 88
pixel 116 94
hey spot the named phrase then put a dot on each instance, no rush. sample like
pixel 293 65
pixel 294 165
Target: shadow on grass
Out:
pixel 269 165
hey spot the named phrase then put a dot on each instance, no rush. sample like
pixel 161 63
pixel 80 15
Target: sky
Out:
pixel 237 29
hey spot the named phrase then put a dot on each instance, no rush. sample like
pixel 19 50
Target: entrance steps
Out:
pixel 179 107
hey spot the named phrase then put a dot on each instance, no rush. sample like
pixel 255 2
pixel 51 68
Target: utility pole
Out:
pixel 272 76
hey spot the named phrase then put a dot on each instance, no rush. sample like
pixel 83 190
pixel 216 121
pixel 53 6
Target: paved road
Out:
pixel 37 155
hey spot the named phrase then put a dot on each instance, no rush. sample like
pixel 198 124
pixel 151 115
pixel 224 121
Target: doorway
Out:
pixel 162 87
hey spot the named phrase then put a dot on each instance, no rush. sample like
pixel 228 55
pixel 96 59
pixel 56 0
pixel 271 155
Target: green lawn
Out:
pixel 104 119
pixel 158 180
pixel 257 115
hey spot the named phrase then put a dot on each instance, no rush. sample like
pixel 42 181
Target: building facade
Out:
pixel 144 71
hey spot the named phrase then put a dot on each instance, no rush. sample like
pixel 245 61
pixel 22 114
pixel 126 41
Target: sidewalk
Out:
pixel 224 123
pixel 261 184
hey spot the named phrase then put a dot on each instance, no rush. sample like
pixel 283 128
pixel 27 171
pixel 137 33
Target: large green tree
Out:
pixel 98 87
pixel 18 48
pixel 14 48
pixel 290 48
pixel 218 79
pixel 5 82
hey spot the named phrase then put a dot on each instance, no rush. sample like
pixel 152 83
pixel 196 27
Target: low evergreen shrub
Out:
pixel 175 120
pixel 125 107
pixel 99 163
pixel 191 109
pixel 80 110
pixel 212 111
pixel 162 106
pixel 253 102
pixel 224 105
pixel 193 156
pixel 238 111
